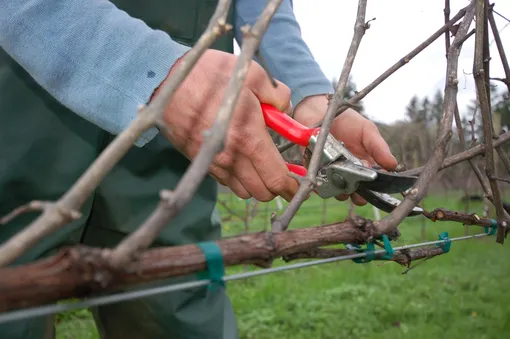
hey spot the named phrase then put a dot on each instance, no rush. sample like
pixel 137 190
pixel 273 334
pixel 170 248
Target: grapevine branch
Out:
pixel 499 45
pixel 504 61
pixel 442 214
pixel 212 145
pixel 402 257
pixel 504 158
pixel 483 181
pixel 230 210
pixel 395 67
pixel 53 218
pixel 481 74
pixel 83 271
pixel 446 12
pixel 308 184
pixel 463 156
pixel 415 195
pixel 56 215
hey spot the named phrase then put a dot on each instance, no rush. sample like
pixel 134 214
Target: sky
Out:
pixel 327 27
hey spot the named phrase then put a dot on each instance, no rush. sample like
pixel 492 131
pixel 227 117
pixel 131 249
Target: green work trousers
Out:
pixel 45 148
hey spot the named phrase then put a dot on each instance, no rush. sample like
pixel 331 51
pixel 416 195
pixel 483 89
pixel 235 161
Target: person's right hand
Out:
pixel 250 164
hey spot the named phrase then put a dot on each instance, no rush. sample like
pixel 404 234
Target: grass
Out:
pixel 459 294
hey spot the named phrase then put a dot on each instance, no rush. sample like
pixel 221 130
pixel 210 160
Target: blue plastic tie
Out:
pixel 215 266
pixel 447 244
pixel 493 229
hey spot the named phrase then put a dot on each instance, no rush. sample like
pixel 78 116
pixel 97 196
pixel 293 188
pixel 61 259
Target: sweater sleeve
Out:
pixel 91 56
pixel 285 53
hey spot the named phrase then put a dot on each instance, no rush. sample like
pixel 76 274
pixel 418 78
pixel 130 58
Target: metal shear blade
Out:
pixel 385 202
pixel 347 176
pixel 374 186
pixel 341 171
pixel 387 182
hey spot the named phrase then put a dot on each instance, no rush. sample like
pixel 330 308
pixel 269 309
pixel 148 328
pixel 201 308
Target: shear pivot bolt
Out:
pixel 338 180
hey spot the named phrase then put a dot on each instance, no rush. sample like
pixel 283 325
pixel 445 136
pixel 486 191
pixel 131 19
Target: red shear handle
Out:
pixel 299 170
pixel 287 127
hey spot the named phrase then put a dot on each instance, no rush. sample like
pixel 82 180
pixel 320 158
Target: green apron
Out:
pixel 45 148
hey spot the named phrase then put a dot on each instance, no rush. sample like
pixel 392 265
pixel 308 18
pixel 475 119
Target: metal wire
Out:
pixel 501 15
pixel 124 296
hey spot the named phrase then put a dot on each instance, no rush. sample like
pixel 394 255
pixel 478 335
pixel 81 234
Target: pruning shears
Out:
pixel 340 172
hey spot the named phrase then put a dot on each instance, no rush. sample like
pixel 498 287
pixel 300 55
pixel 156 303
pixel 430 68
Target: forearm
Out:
pixel 285 53
pixel 91 56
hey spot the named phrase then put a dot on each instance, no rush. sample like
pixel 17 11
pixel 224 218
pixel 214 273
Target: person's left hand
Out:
pixel 359 135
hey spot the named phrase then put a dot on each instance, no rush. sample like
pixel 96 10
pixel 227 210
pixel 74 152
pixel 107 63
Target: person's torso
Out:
pixel 45 146
pixel 183 20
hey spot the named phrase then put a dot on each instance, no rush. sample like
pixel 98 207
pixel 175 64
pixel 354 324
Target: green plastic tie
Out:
pixel 387 246
pixel 370 255
pixel 493 229
pixel 447 244
pixel 215 266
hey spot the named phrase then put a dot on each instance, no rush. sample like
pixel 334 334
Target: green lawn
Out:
pixel 459 294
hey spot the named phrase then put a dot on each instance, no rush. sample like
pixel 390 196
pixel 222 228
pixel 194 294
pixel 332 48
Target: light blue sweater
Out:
pixel 94 58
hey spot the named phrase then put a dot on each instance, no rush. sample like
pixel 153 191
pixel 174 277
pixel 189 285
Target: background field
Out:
pixel 460 294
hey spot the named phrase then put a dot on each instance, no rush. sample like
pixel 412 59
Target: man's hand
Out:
pixel 250 164
pixel 359 134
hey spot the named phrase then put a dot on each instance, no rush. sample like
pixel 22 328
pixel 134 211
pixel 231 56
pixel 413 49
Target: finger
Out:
pixel 367 162
pixel 226 179
pixel 248 176
pixel 342 197
pixel 272 170
pixel 255 143
pixel 237 187
pixel 358 200
pixel 258 82
pixel 288 110
pixel 377 147
pixel 219 174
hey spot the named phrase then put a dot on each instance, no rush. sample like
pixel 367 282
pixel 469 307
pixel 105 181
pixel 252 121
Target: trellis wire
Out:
pixel 125 296
pixel 501 15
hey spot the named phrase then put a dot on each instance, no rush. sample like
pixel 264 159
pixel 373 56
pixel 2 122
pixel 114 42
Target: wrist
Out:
pixel 170 72
pixel 311 109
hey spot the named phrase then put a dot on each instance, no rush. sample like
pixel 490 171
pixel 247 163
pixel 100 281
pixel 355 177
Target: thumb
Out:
pixel 377 147
pixel 258 81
